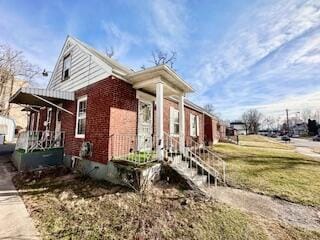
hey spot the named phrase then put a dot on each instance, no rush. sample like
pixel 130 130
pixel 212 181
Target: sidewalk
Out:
pixel 15 221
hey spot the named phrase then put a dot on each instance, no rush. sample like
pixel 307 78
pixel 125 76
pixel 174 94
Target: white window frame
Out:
pixel 49 118
pixel 194 117
pixel 173 112
pixel 81 99
pixel 68 55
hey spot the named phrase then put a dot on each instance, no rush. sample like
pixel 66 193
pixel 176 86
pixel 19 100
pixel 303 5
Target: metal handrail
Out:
pixel 138 149
pixel 204 152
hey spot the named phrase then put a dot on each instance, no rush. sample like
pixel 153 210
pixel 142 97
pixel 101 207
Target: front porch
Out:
pixel 155 84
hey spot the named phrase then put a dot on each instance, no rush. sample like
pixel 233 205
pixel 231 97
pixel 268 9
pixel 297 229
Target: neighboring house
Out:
pixel 300 129
pixel 13 111
pixel 222 129
pixel 94 104
pixel 240 127
pixel 212 134
pixel 7 128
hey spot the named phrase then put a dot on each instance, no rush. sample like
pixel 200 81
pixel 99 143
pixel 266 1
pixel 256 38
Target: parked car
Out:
pixel 285 138
pixel 295 135
pixel 316 138
pixel 273 135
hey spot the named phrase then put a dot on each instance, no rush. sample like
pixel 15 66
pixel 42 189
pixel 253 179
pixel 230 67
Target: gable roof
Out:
pixel 117 69
pixel 111 62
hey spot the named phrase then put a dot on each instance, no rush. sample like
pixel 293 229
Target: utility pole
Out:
pixel 287 113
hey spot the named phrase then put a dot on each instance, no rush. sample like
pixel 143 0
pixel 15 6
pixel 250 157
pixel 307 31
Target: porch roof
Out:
pixel 40 97
pixel 146 79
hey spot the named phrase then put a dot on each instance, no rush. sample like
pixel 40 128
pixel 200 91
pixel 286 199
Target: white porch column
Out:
pixel 159 120
pixel 181 124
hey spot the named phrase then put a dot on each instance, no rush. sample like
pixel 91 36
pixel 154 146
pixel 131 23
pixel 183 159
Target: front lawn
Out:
pixel 264 165
pixel 64 207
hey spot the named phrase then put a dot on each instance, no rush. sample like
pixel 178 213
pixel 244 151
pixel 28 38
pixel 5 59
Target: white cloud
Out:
pixel 271 52
pixel 167 24
pixel 32 41
pixel 257 33
pixel 121 41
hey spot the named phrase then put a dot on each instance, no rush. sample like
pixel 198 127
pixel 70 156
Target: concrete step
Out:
pixel 200 180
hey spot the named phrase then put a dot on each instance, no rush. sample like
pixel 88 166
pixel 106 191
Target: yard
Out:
pixel 67 207
pixel 264 165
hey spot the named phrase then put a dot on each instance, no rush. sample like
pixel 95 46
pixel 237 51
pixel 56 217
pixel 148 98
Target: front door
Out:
pixel 145 126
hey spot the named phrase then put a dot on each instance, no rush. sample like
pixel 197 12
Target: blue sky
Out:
pixel 237 54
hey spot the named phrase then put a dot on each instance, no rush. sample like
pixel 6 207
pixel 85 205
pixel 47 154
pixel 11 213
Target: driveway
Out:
pixel 15 221
pixel 306 146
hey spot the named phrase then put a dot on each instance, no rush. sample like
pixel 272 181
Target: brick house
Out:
pixel 97 103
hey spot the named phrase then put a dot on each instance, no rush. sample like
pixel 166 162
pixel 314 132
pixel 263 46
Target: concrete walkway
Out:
pixel 306 147
pixel 15 222
pixel 267 207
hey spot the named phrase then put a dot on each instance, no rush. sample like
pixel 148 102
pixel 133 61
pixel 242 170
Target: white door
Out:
pixel 145 125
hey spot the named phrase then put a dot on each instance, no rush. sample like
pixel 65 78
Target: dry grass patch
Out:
pixel 70 208
pixel 264 165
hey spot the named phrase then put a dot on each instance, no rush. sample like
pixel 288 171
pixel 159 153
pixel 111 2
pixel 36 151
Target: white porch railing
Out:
pixel 40 140
pixel 133 148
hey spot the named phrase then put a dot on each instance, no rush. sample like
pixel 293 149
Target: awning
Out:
pixel 41 97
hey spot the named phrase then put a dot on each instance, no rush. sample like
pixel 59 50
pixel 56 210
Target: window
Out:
pixel 194 125
pixel 49 115
pixel 81 117
pixel 174 121
pixel 66 67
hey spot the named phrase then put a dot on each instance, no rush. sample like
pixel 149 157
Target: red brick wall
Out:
pixel 111 108
pixel 166 121
pixel 210 130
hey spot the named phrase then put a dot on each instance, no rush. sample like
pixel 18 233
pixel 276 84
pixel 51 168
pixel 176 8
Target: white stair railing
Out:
pixel 209 157
pixel 171 145
pixel 193 158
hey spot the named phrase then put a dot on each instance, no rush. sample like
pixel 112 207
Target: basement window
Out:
pixel 66 67
pixel 81 117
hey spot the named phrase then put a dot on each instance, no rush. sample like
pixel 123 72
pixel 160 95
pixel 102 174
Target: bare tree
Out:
pixel 269 122
pixel 306 114
pixel 209 108
pixel 110 51
pixel 162 57
pixel 13 66
pixel 252 119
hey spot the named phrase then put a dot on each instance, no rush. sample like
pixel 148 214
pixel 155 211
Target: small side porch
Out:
pixel 42 144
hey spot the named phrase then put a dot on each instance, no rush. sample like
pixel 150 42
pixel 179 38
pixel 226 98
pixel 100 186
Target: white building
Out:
pixel 240 127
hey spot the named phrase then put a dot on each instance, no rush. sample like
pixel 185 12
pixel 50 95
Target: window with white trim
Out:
pixel 81 117
pixel 174 121
pixel 49 116
pixel 66 67
pixel 194 125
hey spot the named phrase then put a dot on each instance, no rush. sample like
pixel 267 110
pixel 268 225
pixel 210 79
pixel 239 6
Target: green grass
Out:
pixel 67 208
pixel 137 157
pixel 263 165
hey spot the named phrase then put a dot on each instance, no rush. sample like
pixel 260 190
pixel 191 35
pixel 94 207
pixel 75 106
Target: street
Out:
pixel 306 146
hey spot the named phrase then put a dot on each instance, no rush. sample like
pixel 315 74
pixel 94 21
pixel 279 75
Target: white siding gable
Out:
pixel 85 68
